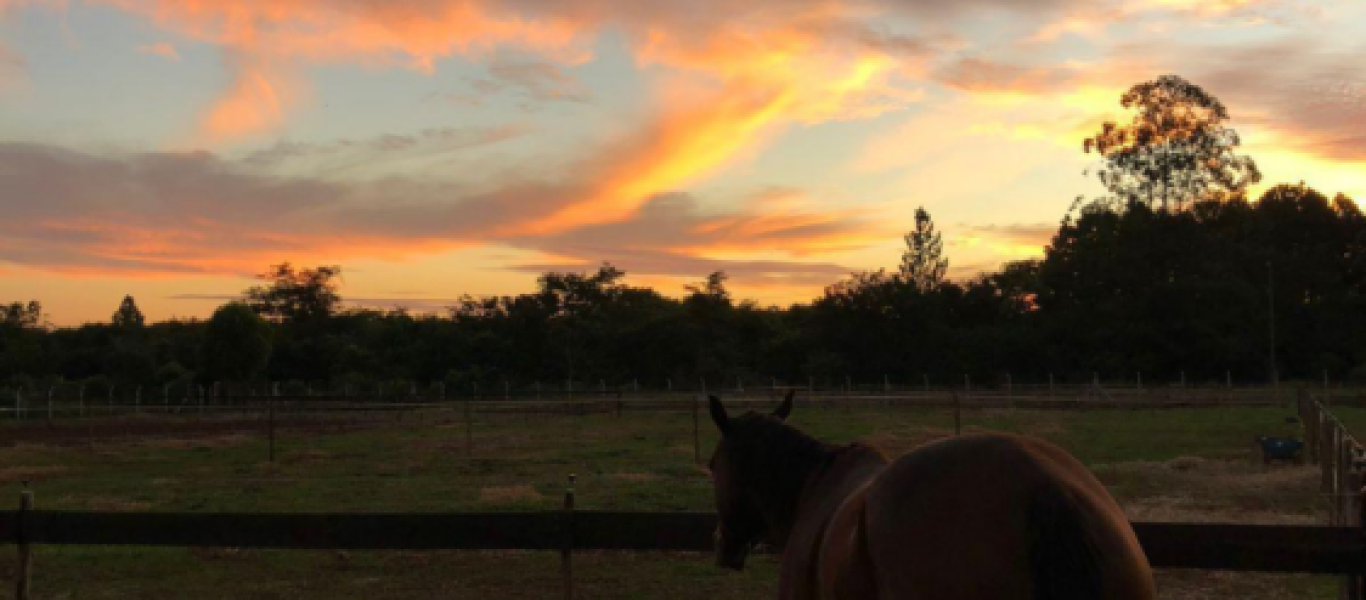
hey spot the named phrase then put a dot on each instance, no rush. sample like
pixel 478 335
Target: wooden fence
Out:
pixel 1269 548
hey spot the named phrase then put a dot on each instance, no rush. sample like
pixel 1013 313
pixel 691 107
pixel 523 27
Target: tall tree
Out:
pixel 296 295
pixel 923 263
pixel 128 316
pixel 237 343
pixel 1175 150
pixel 20 315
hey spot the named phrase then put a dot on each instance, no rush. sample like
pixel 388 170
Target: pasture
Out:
pixel 1189 464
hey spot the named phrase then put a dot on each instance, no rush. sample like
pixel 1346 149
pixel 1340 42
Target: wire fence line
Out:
pixel 72 400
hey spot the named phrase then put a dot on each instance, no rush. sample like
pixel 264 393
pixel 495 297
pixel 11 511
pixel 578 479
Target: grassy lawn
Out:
pixel 1187 464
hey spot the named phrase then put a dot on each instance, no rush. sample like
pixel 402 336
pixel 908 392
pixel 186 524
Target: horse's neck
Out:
pixel 841 471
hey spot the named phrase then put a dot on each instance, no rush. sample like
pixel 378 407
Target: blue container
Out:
pixel 1278 448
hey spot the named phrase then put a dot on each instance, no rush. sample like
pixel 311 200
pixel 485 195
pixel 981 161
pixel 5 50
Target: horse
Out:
pixel 974 517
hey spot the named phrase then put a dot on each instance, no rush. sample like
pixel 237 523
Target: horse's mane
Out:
pixel 774 459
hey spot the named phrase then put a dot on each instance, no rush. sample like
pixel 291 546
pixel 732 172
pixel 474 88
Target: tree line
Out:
pixel 1175 272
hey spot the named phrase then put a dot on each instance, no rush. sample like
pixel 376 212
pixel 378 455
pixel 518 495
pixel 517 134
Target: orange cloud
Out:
pixel 256 101
pixel 800 62
pixel 161 49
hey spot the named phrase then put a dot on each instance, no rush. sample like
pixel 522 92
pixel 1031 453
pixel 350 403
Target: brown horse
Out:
pixel 990 516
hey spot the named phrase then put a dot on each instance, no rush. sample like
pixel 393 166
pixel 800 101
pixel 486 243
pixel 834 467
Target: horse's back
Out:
pixel 997 516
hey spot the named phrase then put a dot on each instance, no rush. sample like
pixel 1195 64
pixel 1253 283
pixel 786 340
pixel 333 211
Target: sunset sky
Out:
pixel 171 148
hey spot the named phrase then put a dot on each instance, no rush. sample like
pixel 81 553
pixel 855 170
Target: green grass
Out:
pixel 632 462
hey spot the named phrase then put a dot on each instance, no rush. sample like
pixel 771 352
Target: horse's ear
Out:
pixel 785 408
pixel 718 414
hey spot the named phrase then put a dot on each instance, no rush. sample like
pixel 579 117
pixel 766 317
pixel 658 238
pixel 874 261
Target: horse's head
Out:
pixel 741 523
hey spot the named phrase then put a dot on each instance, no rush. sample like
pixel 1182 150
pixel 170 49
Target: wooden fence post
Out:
pixel 957 414
pixel 270 428
pixel 1359 581
pixel 24 572
pixel 696 433
pixel 1327 454
pixel 1351 587
pixel 1313 429
pixel 469 429
pixel 566 554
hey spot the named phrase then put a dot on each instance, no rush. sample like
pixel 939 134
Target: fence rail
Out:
pixel 1270 548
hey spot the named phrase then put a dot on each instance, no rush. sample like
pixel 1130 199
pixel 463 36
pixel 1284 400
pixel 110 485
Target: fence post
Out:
pixel 1050 384
pixel 1305 409
pixel 49 404
pixel 566 553
pixel 1327 454
pixel 81 399
pixel 270 427
pixel 1359 581
pixel 18 402
pixel 1349 498
pixel 24 574
pixel 957 414
pixel 696 429
pixel 469 428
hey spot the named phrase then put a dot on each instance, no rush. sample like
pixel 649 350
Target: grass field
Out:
pixel 1179 465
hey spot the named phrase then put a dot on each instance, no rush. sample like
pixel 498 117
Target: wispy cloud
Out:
pixel 13 68
pixel 162 49
pixel 177 213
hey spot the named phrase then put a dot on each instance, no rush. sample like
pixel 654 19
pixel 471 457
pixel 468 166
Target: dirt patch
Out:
pixel 509 494
pixel 1203 490
pixel 17 474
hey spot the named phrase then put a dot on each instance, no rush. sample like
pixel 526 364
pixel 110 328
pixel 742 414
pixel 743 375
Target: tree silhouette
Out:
pixel 296 295
pixel 923 263
pixel 20 315
pixel 1176 149
pixel 128 316
pixel 237 343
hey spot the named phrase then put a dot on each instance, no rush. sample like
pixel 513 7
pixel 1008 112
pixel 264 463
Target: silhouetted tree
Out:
pixel 1176 149
pixel 296 295
pixel 22 315
pixel 237 343
pixel 923 263
pixel 128 316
